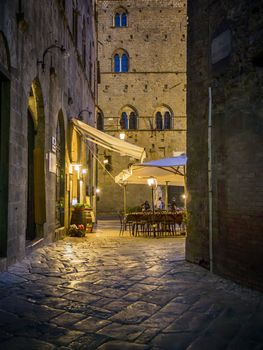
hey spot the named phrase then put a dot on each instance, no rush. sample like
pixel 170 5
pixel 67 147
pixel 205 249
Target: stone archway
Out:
pixel 60 171
pixel 4 141
pixel 36 199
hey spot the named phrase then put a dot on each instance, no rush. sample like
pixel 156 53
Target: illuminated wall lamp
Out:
pixel 74 201
pixel 75 166
pixel 122 135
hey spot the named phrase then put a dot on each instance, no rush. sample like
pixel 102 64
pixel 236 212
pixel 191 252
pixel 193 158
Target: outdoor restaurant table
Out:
pixel 158 223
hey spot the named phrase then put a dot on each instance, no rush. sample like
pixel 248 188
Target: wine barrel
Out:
pixel 81 217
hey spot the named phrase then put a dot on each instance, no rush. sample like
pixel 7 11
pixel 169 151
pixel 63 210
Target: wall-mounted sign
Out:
pixel 52 163
pixel 221 46
pixel 53 144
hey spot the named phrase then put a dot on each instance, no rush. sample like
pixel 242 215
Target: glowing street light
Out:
pixel 152 182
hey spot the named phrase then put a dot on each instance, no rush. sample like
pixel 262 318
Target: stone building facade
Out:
pixel 47 76
pixel 142 90
pixel 225 53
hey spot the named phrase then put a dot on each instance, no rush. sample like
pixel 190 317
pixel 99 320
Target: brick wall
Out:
pixel 235 74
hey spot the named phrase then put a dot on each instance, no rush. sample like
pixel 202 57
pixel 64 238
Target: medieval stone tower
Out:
pixel 142 90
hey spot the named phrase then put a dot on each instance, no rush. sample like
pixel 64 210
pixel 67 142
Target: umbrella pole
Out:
pixel 152 201
pixel 124 199
pixel 166 195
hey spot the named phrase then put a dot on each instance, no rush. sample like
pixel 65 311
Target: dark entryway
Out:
pixel 31 225
pixel 4 160
pixel 60 172
pixel 36 199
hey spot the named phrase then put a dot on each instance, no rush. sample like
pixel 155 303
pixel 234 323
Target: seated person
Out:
pixel 146 206
pixel 173 204
pixel 160 204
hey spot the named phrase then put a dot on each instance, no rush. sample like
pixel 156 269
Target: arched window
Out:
pixel 124 121
pixel 117 20
pixel 121 61
pixel 117 62
pixel 167 120
pixel 120 18
pixel 100 121
pixel 133 121
pixel 159 121
pixel 124 63
pixel 124 20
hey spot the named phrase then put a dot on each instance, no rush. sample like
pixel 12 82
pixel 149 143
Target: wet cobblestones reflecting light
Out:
pixel 111 292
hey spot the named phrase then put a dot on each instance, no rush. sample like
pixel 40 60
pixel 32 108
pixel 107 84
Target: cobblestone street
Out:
pixel 110 292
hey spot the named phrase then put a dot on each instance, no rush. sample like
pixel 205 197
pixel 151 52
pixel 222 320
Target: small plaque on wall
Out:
pixel 221 46
pixel 53 144
pixel 52 162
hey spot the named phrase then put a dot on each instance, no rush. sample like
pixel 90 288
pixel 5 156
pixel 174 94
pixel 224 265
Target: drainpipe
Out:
pixel 185 191
pixel 210 193
pixel 94 182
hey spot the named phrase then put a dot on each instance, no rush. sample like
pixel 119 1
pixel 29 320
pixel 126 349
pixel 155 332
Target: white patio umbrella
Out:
pixel 167 171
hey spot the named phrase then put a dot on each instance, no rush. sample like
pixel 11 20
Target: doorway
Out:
pixel 36 199
pixel 31 225
pixel 60 172
pixel 4 160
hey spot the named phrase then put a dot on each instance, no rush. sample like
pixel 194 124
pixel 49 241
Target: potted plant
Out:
pixel 76 231
pixel 82 214
pixel 81 207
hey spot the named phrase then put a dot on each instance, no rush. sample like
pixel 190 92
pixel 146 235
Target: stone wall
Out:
pixel 155 40
pixel 224 45
pixel 65 85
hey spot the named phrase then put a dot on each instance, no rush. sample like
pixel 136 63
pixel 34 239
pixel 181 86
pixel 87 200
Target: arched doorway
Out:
pixel 4 141
pixel 36 199
pixel 31 225
pixel 60 171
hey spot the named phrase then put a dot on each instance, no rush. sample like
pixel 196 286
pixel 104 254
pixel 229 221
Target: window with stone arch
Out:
pixel 133 121
pixel 163 118
pixel 120 61
pixel 167 120
pixel 120 18
pixel 124 123
pixel 129 118
pixel 159 121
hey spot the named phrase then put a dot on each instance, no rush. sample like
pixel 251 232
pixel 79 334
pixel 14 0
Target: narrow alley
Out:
pixel 109 292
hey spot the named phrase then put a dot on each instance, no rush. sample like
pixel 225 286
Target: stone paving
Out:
pixel 120 293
